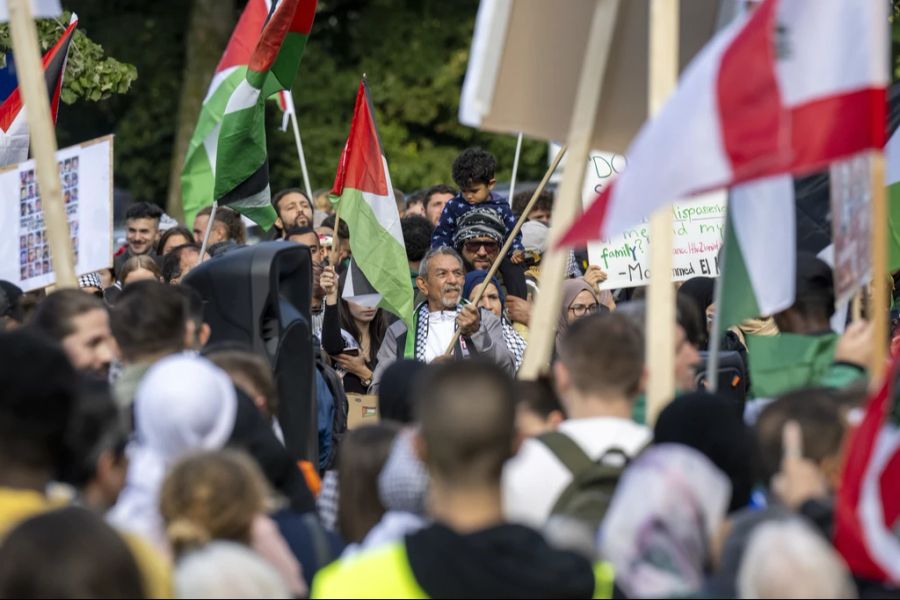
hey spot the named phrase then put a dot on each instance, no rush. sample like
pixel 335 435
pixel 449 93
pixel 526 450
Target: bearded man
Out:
pixel 440 280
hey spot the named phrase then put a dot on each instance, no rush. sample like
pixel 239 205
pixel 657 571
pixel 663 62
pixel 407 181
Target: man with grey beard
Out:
pixel 440 280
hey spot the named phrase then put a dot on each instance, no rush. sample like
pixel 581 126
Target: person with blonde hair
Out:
pixel 221 496
pixel 138 268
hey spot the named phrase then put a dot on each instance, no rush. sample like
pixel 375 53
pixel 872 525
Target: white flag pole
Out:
pixel 515 169
pixel 289 100
pixel 209 226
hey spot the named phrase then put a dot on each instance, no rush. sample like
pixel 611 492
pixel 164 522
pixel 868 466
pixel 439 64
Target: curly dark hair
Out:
pixel 474 166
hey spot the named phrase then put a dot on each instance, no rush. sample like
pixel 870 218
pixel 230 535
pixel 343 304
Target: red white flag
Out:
pixel 14 137
pixel 868 504
pixel 789 88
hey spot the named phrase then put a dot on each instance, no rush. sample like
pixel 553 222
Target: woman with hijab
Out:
pixel 184 403
pixel 494 300
pixel 579 299
pixel 668 507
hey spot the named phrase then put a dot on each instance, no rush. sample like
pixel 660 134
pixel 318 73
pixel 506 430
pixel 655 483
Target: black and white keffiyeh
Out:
pixel 514 341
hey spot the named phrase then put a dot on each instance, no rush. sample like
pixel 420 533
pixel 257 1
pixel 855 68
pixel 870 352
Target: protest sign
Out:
pixel 851 198
pixel 85 173
pixel 698 233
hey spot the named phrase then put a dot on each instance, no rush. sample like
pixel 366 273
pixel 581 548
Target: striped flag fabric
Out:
pixel 363 195
pixel 14 137
pixel 760 233
pixel 788 88
pixel 198 173
pixel 244 183
pixel 358 289
pixel 286 104
pixel 868 502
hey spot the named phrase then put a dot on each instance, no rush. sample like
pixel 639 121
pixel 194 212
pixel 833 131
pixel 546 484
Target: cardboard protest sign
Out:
pixel 362 410
pixel 698 227
pixel 86 178
pixel 851 199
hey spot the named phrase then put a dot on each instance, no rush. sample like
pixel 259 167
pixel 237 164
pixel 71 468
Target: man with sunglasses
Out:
pixel 478 239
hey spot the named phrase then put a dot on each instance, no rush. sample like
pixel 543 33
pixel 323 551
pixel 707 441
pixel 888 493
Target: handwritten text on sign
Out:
pixel 698 227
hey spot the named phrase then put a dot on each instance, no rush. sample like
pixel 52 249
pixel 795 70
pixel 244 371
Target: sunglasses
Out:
pixel 489 245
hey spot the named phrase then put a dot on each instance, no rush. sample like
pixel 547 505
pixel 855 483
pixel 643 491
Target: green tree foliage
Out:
pixel 90 73
pixel 150 36
pixel 414 53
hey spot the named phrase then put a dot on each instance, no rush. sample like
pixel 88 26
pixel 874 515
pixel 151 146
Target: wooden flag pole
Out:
pixel 879 306
pixel 660 346
pixel 336 238
pixel 542 330
pixel 43 139
pixel 510 238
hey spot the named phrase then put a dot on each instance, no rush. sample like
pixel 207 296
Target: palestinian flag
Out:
pixel 243 183
pixel 14 137
pixel 358 289
pixel 760 255
pixel 198 175
pixel 364 197
pixel 867 515
pixel 790 88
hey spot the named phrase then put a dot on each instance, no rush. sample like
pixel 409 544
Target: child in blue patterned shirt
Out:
pixel 473 172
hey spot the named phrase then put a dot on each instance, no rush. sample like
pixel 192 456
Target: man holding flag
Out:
pixel 363 198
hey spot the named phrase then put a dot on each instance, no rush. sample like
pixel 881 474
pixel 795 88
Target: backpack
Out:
pixel 589 494
pixel 341 407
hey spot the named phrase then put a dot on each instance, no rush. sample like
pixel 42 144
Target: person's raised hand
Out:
pixel 469 319
pixel 799 479
pixel 329 283
pixel 518 257
pixel 518 309
pixel 855 345
pixel 595 275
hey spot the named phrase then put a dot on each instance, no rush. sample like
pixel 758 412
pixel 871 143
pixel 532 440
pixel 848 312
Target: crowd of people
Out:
pixel 137 459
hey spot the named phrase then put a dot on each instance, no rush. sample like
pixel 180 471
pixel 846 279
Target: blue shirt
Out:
pixel 457 207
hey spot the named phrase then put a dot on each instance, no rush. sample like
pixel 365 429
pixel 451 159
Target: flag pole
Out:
pixel 660 347
pixel 209 225
pixel 515 169
pixel 336 238
pixel 715 333
pixel 43 139
pixel 289 98
pixel 583 121
pixel 510 238
pixel 879 312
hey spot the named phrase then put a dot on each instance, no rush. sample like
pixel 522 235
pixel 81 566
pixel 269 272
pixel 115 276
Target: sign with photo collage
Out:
pixel 85 173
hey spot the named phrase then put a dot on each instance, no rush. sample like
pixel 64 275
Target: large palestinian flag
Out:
pixel 261 58
pixel 364 198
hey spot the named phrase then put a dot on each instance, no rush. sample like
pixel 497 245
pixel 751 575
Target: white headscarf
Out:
pixel 184 403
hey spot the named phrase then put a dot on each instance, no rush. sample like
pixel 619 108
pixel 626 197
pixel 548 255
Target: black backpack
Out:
pixel 588 496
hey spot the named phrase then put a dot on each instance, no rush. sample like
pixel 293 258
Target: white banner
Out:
pixel 86 176
pixel 698 226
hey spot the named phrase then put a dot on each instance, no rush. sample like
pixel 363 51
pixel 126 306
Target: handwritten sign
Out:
pixel 851 197
pixel 698 228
